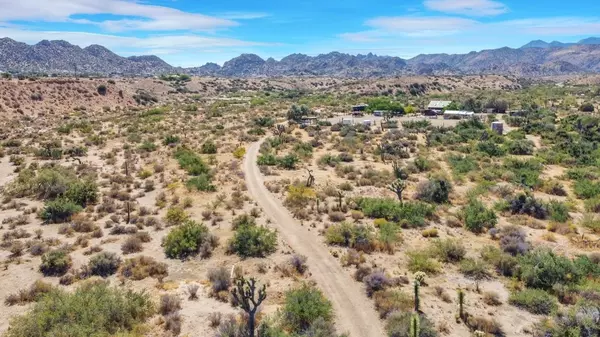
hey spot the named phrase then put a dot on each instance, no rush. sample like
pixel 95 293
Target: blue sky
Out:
pixel 191 33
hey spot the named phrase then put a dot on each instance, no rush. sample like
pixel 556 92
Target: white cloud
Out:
pixel 421 26
pixel 118 43
pixel 140 16
pixel 243 15
pixel 557 26
pixel 467 7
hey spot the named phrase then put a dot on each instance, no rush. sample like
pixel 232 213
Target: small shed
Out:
pixel 438 106
pixel 347 121
pixel 458 114
pixel 308 120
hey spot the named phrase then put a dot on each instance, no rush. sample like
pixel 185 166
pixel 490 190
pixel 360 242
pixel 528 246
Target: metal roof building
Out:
pixel 438 105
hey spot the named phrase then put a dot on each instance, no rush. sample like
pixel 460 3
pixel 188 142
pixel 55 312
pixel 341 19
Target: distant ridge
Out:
pixel 537 58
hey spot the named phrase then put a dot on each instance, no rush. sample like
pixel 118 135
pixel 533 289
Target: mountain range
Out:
pixel 537 58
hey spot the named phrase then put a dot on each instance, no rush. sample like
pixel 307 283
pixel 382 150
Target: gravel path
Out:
pixel 355 313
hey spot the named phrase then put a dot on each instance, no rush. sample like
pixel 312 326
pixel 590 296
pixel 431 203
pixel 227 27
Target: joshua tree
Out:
pixel 399 172
pixel 416 285
pixel 415 325
pixel 128 209
pixel 311 178
pixel 461 304
pixel 397 187
pixel 340 196
pixel 244 294
pixel 381 150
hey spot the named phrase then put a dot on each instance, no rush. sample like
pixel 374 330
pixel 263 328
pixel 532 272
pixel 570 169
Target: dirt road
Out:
pixel 354 311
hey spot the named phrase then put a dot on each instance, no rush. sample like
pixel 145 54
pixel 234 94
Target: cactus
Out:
pixel 461 304
pixel 417 284
pixel 415 325
pixel 420 276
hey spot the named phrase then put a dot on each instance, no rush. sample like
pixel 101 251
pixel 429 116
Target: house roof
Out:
pixel 438 104
pixel 458 112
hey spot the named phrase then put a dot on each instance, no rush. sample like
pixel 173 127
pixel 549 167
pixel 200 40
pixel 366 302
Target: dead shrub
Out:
pixel 132 245
pixel 169 304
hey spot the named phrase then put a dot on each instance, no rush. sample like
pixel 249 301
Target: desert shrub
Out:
pixel 411 214
pixel 140 267
pixel 491 298
pixel 201 183
pixel 420 261
pixel 176 216
pixel 554 187
pixel 477 217
pixel 390 301
pixel 475 269
pixel 288 162
pixel 586 189
pixel 328 160
pixel 436 190
pixel 253 241
pixel 591 222
pixel 169 304
pixel 558 211
pixel 220 279
pixel 171 140
pixel 376 281
pixel 303 306
pixel 299 196
pixel 94 309
pixel 148 146
pixel 102 89
pixel 527 204
pixel 580 320
pixel 587 107
pixel 59 210
pixel 132 245
pixel 487 325
pixel 505 264
pixel 240 152
pixel 34 293
pixel 186 240
pixel 55 263
pixel 104 264
pixel 490 148
pixel 449 250
pixel 462 164
pixel 542 268
pixel 82 192
pixel 521 147
pixel 536 301
pixel 351 235
pixel 513 240
pixel 524 172
pixel 191 162
pixel 267 159
pixel 398 325
pixel 209 147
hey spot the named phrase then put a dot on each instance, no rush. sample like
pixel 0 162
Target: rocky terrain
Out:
pixel 537 58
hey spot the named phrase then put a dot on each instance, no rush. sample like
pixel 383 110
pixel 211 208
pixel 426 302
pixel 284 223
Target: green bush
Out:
pixel 59 210
pixel 303 306
pixel 475 269
pixel 586 189
pixel 267 159
pixel 420 261
pixel 524 172
pixel 186 240
pixel 202 183
pixel 209 147
pixel 148 146
pixel 542 268
pixel 477 217
pixel 436 190
pixel 559 212
pixel 253 241
pixel 462 164
pixel 94 309
pixel 448 250
pixel 191 162
pixel 82 192
pixel 288 162
pixel 171 140
pixel 351 235
pixel 536 301
pixel 104 264
pixel 490 148
pixel 521 147
pixel 55 263
pixel 527 204
pixel 409 214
